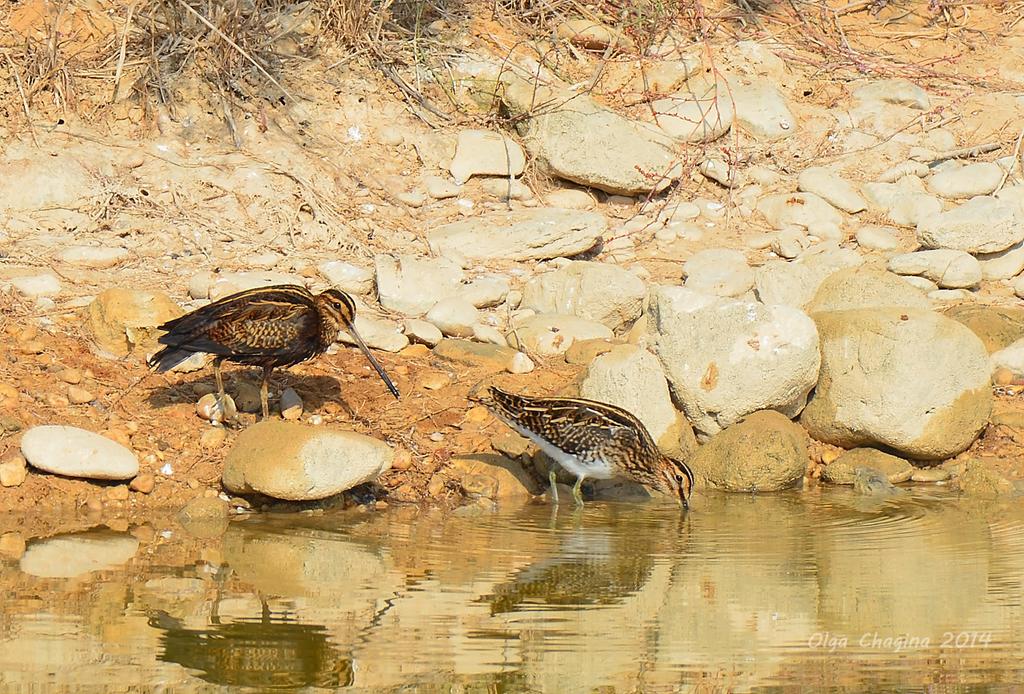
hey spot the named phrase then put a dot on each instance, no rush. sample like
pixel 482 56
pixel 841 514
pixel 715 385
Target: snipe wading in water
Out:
pixel 267 327
pixel 591 439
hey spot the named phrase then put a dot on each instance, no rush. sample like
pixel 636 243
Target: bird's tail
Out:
pixel 167 358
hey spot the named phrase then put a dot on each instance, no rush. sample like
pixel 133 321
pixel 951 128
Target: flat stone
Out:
pixel 551 334
pixel 74 452
pixel 77 554
pixel 486 291
pixel 535 234
pixel 702 112
pixel 492 477
pixel 842 469
pixel 980 225
pixel 800 209
pixel 877 238
pixel 1004 265
pixel 229 283
pixel 967 181
pixel 570 199
pixel 761 109
pixel 441 189
pixel 950 269
pixel 411 285
pixel 486 153
pixel 600 292
pixel 347 277
pixel 35 286
pixel 92 256
pixel 377 333
pixel 719 271
pixel 454 316
pixel 832 188
pixel 422 332
pixel 298 462
pixel 493 357
pixel 901 92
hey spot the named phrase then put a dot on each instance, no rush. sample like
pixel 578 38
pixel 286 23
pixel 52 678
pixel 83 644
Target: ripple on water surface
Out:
pixel 814 591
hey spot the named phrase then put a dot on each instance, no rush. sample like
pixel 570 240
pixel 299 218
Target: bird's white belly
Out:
pixel 599 469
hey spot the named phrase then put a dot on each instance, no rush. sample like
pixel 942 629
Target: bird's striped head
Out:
pixel 674 477
pixel 338 307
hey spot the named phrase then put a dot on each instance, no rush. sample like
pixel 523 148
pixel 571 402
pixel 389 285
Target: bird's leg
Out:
pixel 577 493
pixel 220 383
pixel 554 486
pixel 267 370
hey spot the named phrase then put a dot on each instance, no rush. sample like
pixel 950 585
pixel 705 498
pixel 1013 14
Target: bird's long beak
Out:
pixel 350 326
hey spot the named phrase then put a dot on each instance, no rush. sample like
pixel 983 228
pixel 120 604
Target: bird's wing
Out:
pixel 284 294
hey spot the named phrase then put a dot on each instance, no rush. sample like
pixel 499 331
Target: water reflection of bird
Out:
pixel 266 653
pixel 268 327
pixel 591 439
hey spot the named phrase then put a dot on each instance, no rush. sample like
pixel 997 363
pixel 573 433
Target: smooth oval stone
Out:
pixel 75 452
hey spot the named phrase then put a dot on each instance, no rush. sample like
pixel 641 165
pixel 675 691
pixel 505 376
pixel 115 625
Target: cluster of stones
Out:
pixel 841 321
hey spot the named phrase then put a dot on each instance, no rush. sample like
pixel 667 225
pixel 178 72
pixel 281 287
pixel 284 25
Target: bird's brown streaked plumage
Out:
pixel 592 439
pixel 269 327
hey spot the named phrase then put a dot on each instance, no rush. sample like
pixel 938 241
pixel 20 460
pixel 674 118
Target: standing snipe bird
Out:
pixel 591 439
pixel 268 327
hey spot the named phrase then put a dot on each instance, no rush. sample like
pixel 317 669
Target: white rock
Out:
pixel 725 358
pixel 570 199
pixel 632 378
pixel 948 268
pixel 795 283
pixel 864 287
pixel 979 178
pixel 440 189
pixel 947 295
pixel 547 334
pixel 76 554
pixel 454 316
pixel 347 277
pixel 422 332
pixel 719 271
pixel 481 152
pixel 506 190
pixel 922 283
pixel 901 92
pixel 35 286
pixel 412 285
pixel 790 242
pixel 1010 357
pixel 377 333
pixel 92 256
pixel 489 334
pixel 877 238
pixel 600 292
pixel 199 284
pixel 536 234
pixel 832 188
pixel 1004 265
pixel 233 282
pixel 293 461
pixel 800 209
pixel 939 367
pixel 761 109
pixel 720 171
pixel 74 452
pixel 520 364
pixel 1018 287
pixel 700 113
pixel 826 231
pixel 263 261
pixel 486 291
pixel 980 225
pixel 908 210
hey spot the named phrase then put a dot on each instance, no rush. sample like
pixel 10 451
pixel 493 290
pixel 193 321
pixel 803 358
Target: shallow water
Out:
pixel 820 591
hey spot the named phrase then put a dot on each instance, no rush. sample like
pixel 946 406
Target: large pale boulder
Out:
pixel 865 287
pixel 293 461
pixel 726 358
pixel 412 285
pixel 124 320
pixel 981 225
pixel 632 378
pixel 529 234
pixel 909 379
pixel 608 294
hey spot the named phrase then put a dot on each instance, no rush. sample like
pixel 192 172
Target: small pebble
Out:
pixel 437 436
pixel 436 487
pixel 435 380
pixel 118 493
pixel 291 404
pixel 520 364
pixel 403 460
pixel 79 396
pixel 213 438
pixel 13 471
pixel 12 545
pixel 931 474
pixel 143 484
pixel 1002 376
pixel 71 376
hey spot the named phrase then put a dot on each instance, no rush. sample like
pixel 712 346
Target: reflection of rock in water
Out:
pixel 256 653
